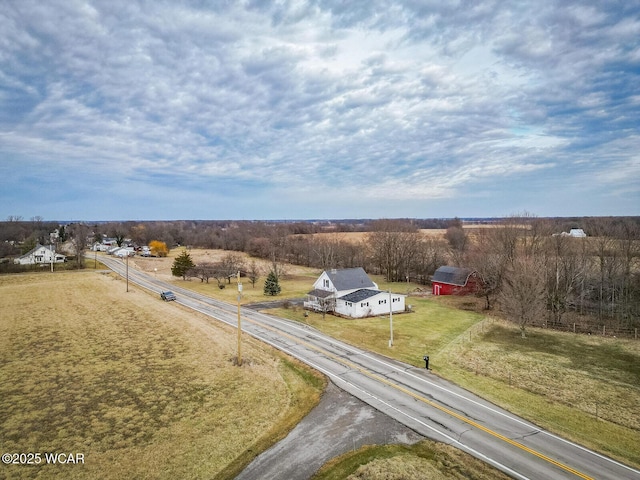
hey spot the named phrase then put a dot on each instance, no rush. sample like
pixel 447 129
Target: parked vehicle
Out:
pixel 167 296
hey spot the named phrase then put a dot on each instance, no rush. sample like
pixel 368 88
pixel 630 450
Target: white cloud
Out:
pixel 402 99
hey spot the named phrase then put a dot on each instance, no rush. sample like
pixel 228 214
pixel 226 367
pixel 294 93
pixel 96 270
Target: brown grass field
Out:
pixel 426 460
pixel 140 388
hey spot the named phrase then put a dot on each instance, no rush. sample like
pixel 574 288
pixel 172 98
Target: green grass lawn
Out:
pixel 586 388
pixel 429 329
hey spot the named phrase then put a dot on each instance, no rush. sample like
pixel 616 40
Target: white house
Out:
pixel 574 232
pixel 577 233
pixel 41 254
pixel 122 252
pixel 350 292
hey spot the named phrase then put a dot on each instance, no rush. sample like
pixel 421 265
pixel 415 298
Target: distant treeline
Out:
pixel 528 269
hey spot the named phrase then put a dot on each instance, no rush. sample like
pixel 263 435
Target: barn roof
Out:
pixel 360 295
pixel 350 278
pixel 452 275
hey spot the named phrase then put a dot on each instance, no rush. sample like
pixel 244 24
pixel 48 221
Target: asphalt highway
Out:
pixel 418 399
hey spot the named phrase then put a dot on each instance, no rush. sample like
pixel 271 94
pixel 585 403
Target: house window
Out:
pixel 381 302
pixel 326 283
pixel 364 304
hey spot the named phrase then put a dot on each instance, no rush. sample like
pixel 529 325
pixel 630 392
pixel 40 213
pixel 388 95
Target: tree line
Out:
pixel 528 269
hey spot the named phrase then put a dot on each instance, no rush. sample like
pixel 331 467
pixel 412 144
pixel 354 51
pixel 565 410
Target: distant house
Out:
pixel 41 254
pixel 350 292
pixel 454 281
pixel 122 252
pixel 574 232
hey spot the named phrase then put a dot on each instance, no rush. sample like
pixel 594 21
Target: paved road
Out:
pixel 423 402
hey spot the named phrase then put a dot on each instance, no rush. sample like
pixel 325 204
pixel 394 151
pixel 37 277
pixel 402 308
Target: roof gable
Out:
pixel 36 249
pixel 350 279
pixel 452 275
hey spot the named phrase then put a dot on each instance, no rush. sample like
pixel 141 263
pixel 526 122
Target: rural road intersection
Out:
pixel 417 399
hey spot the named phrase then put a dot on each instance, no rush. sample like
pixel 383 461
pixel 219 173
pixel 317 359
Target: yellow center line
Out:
pixel 462 418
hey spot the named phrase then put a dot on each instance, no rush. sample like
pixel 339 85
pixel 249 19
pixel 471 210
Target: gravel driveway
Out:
pixel 338 424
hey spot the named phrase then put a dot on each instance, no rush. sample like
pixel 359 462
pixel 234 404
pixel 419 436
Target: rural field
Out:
pixel 138 388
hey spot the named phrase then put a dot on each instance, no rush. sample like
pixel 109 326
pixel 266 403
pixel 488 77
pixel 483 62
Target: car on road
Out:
pixel 167 296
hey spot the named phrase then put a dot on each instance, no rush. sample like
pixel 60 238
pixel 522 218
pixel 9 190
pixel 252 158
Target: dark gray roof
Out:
pixel 452 275
pixel 350 278
pixel 320 293
pixel 360 295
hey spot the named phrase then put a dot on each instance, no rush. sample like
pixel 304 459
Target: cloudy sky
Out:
pixel 116 110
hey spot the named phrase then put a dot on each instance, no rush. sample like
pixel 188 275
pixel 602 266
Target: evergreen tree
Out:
pixel 271 285
pixel 181 265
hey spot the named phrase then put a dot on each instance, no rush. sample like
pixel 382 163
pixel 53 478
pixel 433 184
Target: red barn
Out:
pixel 454 281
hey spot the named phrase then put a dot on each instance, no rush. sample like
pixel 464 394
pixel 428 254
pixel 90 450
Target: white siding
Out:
pixel 372 306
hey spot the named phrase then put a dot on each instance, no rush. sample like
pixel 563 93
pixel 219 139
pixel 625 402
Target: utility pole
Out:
pixel 239 322
pixel 390 319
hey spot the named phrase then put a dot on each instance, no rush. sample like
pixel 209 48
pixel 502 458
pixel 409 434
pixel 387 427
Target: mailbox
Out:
pixel 426 361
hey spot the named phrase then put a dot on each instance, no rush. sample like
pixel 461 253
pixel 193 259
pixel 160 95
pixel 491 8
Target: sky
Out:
pixel 325 109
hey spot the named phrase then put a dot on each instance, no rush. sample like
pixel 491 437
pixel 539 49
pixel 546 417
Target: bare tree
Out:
pixel 567 263
pixel 459 242
pixel 79 233
pixel 507 235
pixel 203 271
pixel 523 293
pixel 253 273
pixel 490 262
pixel 325 252
pixel 393 245
pixel 231 264
pixel 430 254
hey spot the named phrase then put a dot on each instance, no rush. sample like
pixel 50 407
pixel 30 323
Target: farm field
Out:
pixel 139 388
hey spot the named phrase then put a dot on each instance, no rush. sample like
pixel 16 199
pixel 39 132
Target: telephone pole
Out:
pixel 239 323
pixel 390 320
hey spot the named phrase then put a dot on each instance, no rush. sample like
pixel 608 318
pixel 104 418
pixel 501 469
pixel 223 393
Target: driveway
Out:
pixel 338 424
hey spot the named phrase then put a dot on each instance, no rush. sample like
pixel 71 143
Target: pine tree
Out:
pixel 181 265
pixel 271 285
